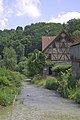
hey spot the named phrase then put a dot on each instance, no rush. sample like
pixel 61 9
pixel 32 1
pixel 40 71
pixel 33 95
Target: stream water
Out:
pixel 36 103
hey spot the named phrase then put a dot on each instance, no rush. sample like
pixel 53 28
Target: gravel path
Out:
pixel 37 103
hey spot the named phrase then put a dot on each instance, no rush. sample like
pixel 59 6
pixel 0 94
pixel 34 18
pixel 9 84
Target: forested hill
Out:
pixel 27 39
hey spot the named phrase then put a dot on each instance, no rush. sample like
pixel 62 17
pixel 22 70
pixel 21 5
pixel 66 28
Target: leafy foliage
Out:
pixel 60 68
pixel 6 96
pixel 22 66
pixel 35 63
pixel 73 25
pixel 10 83
pixel 76 33
pixel 51 83
pixel 10 58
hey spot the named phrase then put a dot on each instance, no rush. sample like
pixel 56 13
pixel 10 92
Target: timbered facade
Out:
pixel 57 48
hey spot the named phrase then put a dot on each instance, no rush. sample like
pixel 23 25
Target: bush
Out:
pixel 4 81
pixel 36 79
pixel 63 88
pixel 22 67
pixel 6 96
pixel 51 83
pixel 60 68
pixel 77 96
pixel 64 84
pixel 9 77
pixel 10 83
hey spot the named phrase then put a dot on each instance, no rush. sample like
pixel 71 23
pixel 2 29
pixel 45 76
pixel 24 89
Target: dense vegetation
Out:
pixel 10 83
pixel 62 83
pixel 20 51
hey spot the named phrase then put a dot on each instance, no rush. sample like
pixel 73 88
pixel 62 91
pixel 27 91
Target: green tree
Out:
pixel 20 52
pixel 73 25
pixel 27 42
pixel 22 66
pixel 9 58
pixel 76 33
pixel 19 48
pixel 35 63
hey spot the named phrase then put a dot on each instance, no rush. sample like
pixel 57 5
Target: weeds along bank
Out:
pixel 10 86
pixel 62 83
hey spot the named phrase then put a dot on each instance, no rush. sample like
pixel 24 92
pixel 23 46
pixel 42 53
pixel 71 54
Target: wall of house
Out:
pixel 75 52
pixel 58 51
pixel 75 58
pixel 45 71
pixel 75 69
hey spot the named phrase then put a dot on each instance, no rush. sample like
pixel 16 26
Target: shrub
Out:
pixel 36 79
pixel 22 66
pixel 10 83
pixel 51 83
pixel 64 84
pixel 63 88
pixel 61 68
pixel 4 81
pixel 77 96
pixel 72 83
pixel 8 77
pixel 6 96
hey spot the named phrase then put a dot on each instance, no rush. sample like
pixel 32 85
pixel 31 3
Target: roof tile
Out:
pixel 46 40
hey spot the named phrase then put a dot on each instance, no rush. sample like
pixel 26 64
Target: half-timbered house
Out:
pixel 57 49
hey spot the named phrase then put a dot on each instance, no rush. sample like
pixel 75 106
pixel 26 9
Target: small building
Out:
pixel 57 49
pixel 75 58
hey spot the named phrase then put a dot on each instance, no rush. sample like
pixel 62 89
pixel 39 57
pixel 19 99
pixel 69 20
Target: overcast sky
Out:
pixel 15 13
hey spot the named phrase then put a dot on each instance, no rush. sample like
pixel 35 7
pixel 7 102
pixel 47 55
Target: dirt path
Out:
pixel 42 104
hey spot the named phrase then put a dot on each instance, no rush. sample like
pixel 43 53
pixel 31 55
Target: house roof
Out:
pixel 48 40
